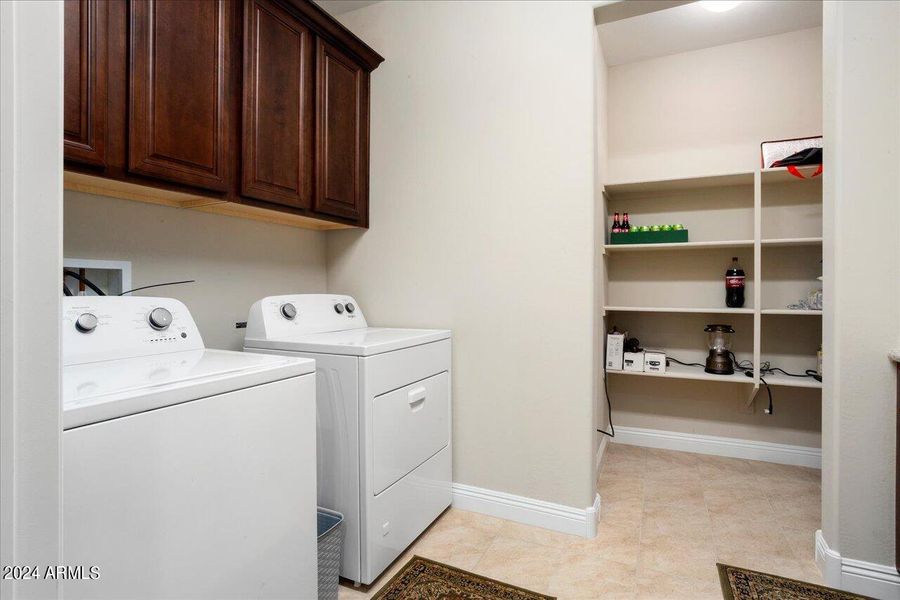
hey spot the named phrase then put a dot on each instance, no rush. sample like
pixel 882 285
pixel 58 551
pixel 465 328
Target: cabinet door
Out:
pixel 178 122
pixel 278 128
pixel 85 66
pixel 342 135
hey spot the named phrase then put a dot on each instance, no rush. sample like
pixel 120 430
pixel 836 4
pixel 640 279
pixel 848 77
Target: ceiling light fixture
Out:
pixel 719 6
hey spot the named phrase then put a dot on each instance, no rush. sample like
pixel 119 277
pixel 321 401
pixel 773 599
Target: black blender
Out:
pixel 718 338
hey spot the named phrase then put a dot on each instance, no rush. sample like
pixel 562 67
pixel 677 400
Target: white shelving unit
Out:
pixel 676 371
pixel 770 219
pixel 811 241
pixel 685 310
pixel 681 246
pixel 800 382
pixel 791 312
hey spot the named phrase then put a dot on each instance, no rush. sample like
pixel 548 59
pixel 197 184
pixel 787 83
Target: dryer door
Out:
pixel 410 425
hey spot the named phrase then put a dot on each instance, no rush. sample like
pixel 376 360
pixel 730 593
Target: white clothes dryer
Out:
pixel 383 414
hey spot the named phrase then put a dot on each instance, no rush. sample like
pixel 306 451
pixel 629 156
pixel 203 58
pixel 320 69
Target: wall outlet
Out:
pixel 112 276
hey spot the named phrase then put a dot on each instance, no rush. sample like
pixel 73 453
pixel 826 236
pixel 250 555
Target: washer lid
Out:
pixel 352 342
pixel 99 391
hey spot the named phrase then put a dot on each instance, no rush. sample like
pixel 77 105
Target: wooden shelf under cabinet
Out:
pixel 100 186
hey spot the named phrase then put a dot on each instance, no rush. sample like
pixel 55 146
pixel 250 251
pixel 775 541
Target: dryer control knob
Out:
pixel 160 319
pixel 339 308
pixel 350 308
pixel 288 311
pixel 86 322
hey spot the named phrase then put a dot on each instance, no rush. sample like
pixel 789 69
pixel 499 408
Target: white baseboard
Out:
pixel 557 517
pixel 859 577
pixel 708 444
pixel 601 448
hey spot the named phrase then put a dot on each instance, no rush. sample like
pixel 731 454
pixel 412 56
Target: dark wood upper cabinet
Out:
pixel 342 136
pixel 252 108
pixel 181 54
pixel 277 154
pixel 85 81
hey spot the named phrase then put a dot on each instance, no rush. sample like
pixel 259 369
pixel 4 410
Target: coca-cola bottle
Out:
pixel 626 226
pixel 734 285
pixel 617 227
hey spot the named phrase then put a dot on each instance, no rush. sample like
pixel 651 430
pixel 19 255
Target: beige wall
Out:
pixel 702 112
pixel 707 111
pixel 235 261
pixel 862 276
pixel 482 221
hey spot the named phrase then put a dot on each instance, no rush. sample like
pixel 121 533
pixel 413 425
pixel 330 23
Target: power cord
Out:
pixel 771 409
pixel 673 359
pixel 147 287
pixel 82 279
pixel 612 429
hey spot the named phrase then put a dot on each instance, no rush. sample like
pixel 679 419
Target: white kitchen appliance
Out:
pixel 383 411
pixel 187 472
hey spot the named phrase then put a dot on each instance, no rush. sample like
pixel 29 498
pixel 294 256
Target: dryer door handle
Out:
pixel 416 397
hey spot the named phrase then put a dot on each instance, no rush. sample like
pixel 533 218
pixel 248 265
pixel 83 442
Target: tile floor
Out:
pixel 666 518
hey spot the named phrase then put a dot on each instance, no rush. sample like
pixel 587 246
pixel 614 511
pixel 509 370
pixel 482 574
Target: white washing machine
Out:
pixel 383 412
pixel 187 472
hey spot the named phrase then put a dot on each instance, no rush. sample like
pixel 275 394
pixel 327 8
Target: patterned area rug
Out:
pixel 423 579
pixel 744 584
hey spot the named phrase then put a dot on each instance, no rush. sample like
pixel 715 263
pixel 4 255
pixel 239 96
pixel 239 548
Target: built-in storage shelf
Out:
pixel 686 310
pixel 662 186
pixel 788 381
pixel 782 175
pixel 678 246
pixel 661 293
pixel 783 242
pixel 676 371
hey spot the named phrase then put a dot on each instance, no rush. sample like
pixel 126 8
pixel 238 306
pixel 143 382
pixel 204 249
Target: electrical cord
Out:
pixel 82 279
pixel 66 290
pixel 612 427
pixel 771 409
pixel 147 287
pixel 673 359
pixel 773 369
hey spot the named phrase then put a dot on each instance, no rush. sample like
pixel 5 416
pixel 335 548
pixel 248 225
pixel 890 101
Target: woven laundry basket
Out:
pixel 330 547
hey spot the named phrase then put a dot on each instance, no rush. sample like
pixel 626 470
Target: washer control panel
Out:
pixel 111 327
pixel 299 314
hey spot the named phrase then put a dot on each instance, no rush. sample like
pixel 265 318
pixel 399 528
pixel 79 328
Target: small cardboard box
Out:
pixel 615 347
pixel 634 361
pixel 654 361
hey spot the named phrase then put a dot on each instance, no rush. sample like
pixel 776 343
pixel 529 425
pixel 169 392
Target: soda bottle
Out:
pixel 734 285
pixel 626 226
pixel 617 227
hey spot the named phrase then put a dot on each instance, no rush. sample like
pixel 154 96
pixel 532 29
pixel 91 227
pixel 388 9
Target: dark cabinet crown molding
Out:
pixel 330 29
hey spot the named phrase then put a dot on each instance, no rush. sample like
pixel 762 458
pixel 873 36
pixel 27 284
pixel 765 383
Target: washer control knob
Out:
pixel 288 311
pixel 350 308
pixel 86 322
pixel 339 308
pixel 160 319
